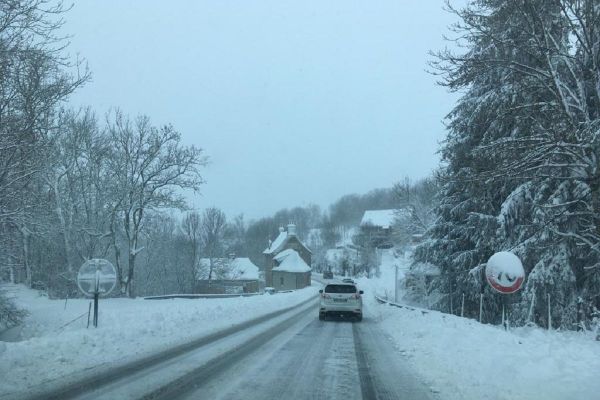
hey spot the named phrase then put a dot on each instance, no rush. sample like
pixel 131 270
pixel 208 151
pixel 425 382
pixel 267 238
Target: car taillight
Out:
pixel 356 296
pixel 325 296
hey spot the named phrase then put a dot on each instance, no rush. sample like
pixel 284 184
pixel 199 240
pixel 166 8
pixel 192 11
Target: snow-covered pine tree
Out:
pixel 517 170
pixel 564 165
pixel 552 220
pixel 464 235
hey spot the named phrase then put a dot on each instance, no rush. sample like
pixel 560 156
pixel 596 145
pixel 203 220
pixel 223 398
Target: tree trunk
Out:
pixel 194 257
pixel 64 228
pixel 117 251
pixel 28 273
pixel 129 285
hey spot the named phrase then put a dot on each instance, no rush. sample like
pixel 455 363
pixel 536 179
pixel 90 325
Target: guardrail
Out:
pixel 381 300
pixel 200 296
pixel 210 296
pixel 216 295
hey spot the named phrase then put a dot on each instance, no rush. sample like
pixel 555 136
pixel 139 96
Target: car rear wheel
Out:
pixel 359 318
pixel 321 317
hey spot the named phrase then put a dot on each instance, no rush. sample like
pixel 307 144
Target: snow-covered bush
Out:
pixel 10 315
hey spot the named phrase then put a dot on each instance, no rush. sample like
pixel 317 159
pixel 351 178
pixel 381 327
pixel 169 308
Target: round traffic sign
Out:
pixel 504 272
pixel 97 276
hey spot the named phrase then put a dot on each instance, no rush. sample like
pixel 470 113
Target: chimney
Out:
pixel 291 229
pixel 231 256
pixel 281 229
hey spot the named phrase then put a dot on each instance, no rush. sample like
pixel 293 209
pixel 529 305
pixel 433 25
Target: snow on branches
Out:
pixel 522 149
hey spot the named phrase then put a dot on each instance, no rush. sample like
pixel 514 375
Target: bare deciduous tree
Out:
pixel 191 226
pixel 34 79
pixel 211 234
pixel 150 167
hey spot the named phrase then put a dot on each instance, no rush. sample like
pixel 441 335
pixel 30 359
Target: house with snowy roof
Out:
pixel 382 219
pixel 291 272
pixel 229 275
pixel 376 226
pixel 287 261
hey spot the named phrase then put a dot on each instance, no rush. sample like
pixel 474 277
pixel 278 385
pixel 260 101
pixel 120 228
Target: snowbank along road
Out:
pixel 290 355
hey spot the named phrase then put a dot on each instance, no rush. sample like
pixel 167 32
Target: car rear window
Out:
pixel 340 289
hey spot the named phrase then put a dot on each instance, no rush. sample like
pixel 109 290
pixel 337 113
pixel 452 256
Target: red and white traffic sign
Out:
pixel 504 272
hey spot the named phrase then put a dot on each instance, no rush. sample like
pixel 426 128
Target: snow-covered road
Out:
pixel 292 355
pixel 315 360
pixel 295 356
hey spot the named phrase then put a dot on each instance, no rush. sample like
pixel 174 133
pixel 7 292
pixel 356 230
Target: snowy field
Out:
pixel 459 358
pixel 127 329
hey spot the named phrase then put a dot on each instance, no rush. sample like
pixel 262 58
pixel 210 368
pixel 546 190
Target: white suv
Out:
pixel 341 299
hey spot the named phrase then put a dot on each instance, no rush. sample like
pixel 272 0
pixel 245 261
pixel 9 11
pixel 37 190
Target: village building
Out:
pixel 293 267
pixel 377 226
pixel 292 272
pixel 230 276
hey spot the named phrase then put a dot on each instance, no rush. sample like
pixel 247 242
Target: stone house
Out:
pixel 291 273
pixel 294 265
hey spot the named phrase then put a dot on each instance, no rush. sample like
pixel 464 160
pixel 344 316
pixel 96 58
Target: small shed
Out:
pixel 292 272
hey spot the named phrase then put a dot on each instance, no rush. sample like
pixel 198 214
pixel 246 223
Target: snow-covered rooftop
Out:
pixel 282 238
pixel 381 218
pixel 280 256
pixel 243 268
pixel 290 261
pixel 276 243
pixel 238 268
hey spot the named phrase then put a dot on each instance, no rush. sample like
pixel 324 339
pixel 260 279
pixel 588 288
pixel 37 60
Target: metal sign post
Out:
pixel 96 277
pixel 396 283
pixel 96 295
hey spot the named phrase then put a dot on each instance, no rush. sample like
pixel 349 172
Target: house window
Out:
pixel 281 281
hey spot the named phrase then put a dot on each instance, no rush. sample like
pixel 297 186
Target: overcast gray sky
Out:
pixel 295 102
